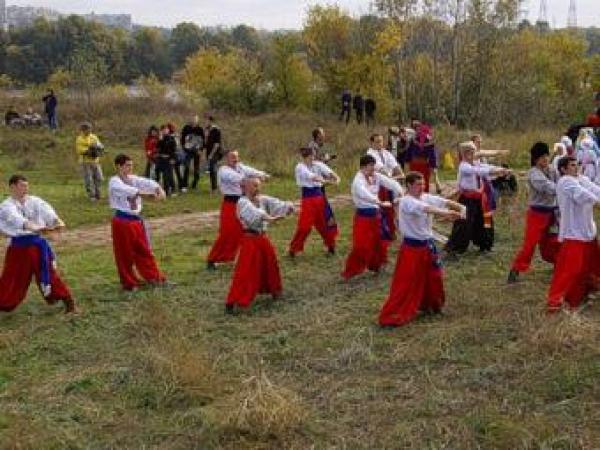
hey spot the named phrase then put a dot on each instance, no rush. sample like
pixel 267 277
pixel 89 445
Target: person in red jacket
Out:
pixel 150 149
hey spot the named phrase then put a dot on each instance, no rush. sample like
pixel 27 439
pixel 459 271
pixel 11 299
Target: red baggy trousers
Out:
pixel 20 264
pixel 256 271
pixel 575 273
pixel 536 233
pixel 367 247
pixel 131 248
pixel 226 246
pixel 312 214
pixel 417 286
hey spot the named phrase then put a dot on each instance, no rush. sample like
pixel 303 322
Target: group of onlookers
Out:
pixel 364 108
pixel 172 157
pixel 30 118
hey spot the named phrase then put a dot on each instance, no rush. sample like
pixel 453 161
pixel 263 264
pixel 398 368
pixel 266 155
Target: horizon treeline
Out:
pixel 464 62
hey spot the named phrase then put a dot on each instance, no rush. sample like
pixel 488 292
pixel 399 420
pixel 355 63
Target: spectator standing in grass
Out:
pixel 231 177
pixel 192 142
pixel 368 251
pixel 359 107
pixel 421 157
pixel 317 145
pixel 89 149
pixel 541 216
pixel 257 269
pixel 346 105
pixel 370 108
pixel 577 268
pixel 177 162
pixel 165 158
pixel 315 210
pixel 131 245
pixel 151 151
pixel 24 218
pixel 214 150
pixel 417 285
pixel 50 107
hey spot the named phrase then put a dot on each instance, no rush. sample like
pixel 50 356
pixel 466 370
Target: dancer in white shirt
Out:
pixel 386 164
pixel 256 270
pixel 131 246
pixel 577 267
pixel 417 285
pixel 23 218
pixel 367 248
pixel 477 196
pixel 315 210
pixel 230 176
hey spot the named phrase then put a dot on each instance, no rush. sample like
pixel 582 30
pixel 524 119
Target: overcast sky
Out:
pixel 268 14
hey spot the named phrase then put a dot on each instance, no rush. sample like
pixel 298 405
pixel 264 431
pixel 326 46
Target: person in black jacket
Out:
pixel 165 159
pixel 359 107
pixel 346 104
pixel 214 150
pixel 50 105
pixel 370 107
pixel 192 142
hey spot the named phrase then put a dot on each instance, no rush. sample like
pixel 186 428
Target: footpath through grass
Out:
pixel 167 369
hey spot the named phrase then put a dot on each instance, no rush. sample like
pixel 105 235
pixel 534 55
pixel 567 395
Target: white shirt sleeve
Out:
pixel 361 192
pixel 251 171
pixel 390 184
pixel 119 188
pixel 144 185
pixel 578 193
pixel 323 169
pixel 10 217
pixel 44 213
pixel 250 215
pixel 482 170
pixel 229 176
pixel 304 177
pixel 276 207
pixel 589 185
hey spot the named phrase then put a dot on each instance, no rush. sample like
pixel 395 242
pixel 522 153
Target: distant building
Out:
pixel 3 19
pixel 111 20
pixel 23 16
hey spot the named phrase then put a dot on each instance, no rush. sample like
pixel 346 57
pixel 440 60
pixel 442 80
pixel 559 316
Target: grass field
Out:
pixel 166 369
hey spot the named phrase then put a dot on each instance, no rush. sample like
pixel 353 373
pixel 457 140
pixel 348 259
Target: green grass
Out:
pixel 167 369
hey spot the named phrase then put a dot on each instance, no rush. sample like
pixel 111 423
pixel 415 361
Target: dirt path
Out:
pixel 99 235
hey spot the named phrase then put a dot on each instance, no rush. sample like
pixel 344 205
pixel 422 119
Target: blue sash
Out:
pixel 309 192
pixel 46 257
pixel 231 198
pixel 126 216
pixel 430 244
pixel 543 209
pixel 367 212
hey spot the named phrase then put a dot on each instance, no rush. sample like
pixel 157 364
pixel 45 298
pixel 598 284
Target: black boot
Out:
pixel 513 277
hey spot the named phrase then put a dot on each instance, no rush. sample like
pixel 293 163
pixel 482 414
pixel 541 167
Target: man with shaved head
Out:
pixel 257 269
pixel 230 175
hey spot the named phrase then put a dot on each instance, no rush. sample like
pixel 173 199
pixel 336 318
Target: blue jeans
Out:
pixel 52 120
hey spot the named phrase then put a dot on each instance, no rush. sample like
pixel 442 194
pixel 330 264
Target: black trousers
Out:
pixel 346 112
pixel 192 157
pixel 471 229
pixel 148 169
pixel 359 116
pixel 164 170
pixel 370 119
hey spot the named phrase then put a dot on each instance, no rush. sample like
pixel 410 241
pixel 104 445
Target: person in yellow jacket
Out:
pixel 89 149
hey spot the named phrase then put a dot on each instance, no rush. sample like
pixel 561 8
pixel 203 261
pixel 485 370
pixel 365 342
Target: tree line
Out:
pixel 465 62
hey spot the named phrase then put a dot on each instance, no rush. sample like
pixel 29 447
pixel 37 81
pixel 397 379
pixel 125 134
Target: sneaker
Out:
pixel 211 266
pixel 513 277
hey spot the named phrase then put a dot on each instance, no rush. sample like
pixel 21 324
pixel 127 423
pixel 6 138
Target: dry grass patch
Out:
pixel 260 409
